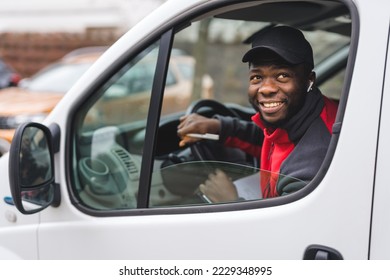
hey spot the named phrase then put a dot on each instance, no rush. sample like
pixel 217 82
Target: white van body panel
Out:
pixel 380 243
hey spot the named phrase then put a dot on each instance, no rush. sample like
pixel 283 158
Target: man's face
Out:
pixel 277 90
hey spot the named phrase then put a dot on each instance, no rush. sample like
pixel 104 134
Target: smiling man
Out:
pixel 291 130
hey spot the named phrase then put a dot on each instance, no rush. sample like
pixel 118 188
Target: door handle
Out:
pixel 320 252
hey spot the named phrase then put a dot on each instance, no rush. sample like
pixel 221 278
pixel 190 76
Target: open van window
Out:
pixel 126 146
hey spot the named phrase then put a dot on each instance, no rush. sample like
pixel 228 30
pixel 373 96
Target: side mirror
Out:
pixel 31 169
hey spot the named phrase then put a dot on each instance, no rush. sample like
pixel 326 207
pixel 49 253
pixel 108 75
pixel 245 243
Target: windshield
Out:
pixel 58 78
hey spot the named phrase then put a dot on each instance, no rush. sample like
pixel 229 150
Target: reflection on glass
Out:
pixel 126 96
pixel 36 198
pixel 35 167
pixel 178 184
pixel 108 163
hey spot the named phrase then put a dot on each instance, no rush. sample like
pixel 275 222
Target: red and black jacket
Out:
pixel 295 150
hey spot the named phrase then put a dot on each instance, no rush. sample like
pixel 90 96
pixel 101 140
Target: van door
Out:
pixel 380 243
pixel 121 202
pixel 18 232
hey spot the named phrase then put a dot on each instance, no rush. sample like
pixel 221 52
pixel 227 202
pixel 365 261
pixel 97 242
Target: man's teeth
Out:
pixel 273 104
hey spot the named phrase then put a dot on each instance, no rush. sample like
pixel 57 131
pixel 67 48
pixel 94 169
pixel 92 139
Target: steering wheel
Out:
pixel 216 107
pixel 212 150
pixel 204 150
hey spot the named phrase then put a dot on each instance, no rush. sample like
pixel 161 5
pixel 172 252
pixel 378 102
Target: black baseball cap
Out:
pixel 288 42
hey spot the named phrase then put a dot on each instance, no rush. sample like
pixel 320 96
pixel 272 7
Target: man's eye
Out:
pixel 283 76
pixel 255 79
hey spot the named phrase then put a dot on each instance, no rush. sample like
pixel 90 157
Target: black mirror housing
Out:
pixel 31 169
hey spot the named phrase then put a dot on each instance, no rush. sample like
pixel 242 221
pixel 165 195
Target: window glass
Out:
pixel 107 162
pixel 206 76
pixel 216 45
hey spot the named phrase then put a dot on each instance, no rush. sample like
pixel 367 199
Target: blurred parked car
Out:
pixel 8 76
pixel 37 96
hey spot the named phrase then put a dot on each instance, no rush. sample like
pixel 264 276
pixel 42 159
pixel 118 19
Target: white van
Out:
pixel 94 182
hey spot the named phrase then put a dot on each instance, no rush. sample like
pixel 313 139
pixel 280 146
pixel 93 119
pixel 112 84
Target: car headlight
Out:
pixel 15 121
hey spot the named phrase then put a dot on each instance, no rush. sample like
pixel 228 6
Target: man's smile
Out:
pixel 270 107
pixel 271 104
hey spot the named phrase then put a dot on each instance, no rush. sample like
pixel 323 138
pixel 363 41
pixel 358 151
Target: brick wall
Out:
pixel 29 52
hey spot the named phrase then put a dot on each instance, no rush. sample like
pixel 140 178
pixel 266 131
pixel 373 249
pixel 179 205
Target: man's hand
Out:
pixel 219 188
pixel 195 123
